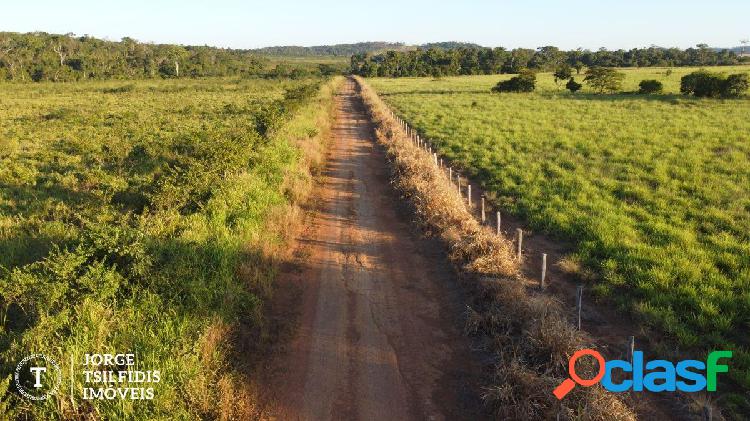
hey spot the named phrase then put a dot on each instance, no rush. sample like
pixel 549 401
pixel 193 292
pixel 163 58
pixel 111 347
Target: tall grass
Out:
pixel 654 190
pixel 149 220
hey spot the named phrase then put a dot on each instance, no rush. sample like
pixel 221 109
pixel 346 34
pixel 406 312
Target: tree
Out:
pixel 650 86
pixel 524 82
pixel 573 86
pixel 546 58
pixel 604 79
pixel 563 72
pixel 703 53
pixel 706 84
pixel 575 59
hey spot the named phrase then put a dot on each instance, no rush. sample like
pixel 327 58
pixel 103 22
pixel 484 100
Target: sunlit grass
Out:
pixel 653 190
pixel 144 217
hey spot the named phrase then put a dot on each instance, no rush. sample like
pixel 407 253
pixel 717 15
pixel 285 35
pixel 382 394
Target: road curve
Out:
pixel 379 334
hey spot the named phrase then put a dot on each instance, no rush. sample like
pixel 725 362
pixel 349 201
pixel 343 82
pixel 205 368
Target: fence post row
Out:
pixel 422 143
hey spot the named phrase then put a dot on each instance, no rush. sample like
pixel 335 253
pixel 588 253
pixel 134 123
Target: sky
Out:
pixel 587 24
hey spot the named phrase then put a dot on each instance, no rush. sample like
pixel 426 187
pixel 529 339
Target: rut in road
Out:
pixel 380 331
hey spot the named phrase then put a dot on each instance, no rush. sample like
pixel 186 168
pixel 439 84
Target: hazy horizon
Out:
pixel 588 24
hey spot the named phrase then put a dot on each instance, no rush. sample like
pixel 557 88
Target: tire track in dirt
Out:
pixel 379 333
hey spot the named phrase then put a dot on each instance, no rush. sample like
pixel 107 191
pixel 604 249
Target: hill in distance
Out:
pixel 357 48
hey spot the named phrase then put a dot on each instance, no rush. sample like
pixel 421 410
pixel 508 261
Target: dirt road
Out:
pixel 379 336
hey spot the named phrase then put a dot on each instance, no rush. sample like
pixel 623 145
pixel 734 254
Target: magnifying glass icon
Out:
pixel 568 384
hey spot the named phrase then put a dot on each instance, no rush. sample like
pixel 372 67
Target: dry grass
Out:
pixel 528 333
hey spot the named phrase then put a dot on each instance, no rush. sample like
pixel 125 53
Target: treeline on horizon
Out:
pixel 346 50
pixel 40 56
pixel 475 61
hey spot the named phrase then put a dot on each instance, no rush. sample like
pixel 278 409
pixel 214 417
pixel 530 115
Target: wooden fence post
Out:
pixel 708 413
pixel 468 194
pixel 631 348
pixel 498 222
pixel 544 270
pixel 579 303
pixel 483 217
pixel 450 174
pixel 519 231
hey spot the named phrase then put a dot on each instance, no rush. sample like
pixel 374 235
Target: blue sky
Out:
pixel 509 23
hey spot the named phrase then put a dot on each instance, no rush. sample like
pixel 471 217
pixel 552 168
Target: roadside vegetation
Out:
pixel 652 189
pixel 527 334
pixel 149 217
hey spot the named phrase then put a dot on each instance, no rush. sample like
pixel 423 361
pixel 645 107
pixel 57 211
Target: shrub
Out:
pixel 573 86
pixel 735 85
pixel 604 79
pixel 563 72
pixel 705 84
pixel 650 86
pixel 120 89
pixel 524 82
pixel 701 83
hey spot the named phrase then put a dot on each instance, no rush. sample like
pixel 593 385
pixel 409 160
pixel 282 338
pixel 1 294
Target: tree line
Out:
pixel 474 61
pixel 329 50
pixel 700 83
pixel 41 56
pixel 347 50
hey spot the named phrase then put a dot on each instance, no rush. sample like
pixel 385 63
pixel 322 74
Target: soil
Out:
pixel 380 309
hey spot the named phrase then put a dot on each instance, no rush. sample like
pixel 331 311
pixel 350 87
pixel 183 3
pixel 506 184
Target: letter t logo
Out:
pixel 37 375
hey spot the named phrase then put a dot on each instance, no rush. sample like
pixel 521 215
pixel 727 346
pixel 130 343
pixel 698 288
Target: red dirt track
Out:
pixel 379 334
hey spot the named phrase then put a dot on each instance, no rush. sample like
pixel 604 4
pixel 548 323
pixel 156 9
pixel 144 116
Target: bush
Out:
pixel 604 79
pixel 650 86
pixel 563 72
pixel 524 82
pixel 735 85
pixel 701 83
pixel 705 84
pixel 573 86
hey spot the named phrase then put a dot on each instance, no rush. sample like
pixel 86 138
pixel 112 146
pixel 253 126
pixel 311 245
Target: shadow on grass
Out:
pixel 436 92
pixel 673 99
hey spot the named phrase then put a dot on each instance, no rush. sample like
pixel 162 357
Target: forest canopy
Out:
pixel 41 56
pixel 476 61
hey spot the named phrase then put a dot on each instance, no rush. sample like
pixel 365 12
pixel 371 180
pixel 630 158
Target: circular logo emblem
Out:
pixel 37 377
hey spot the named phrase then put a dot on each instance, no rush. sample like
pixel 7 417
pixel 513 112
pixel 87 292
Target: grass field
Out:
pixel 146 217
pixel 654 191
